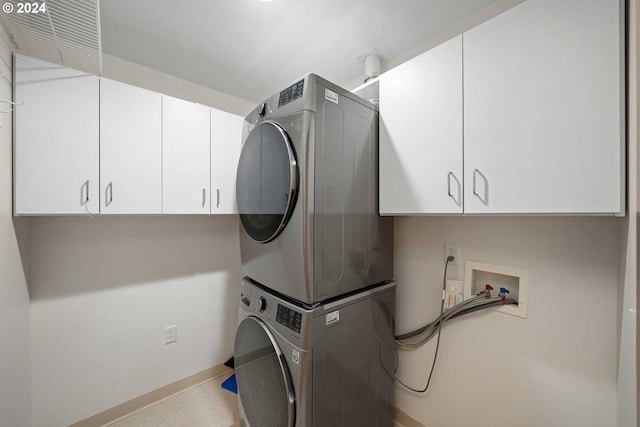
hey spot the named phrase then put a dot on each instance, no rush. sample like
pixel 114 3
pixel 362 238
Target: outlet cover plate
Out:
pixel 170 334
pixel 452 249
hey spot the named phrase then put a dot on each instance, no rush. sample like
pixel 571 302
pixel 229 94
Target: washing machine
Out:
pixel 331 365
pixel 307 194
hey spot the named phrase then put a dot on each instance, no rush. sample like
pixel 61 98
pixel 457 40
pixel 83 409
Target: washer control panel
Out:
pixel 286 318
pixel 289 318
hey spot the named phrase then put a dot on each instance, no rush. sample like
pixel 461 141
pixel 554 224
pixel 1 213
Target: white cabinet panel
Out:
pixel 226 142
pixel 421 134
pixel 130 149
pixel 543 115
pixel 185 157
pixel 56 139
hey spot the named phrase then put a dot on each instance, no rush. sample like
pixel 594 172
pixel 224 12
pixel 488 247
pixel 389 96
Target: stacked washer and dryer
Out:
pixel 315 339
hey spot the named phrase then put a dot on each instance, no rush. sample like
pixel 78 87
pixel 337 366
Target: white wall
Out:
pixel 14 296
pixel 148 78
pixel 103 289
pixel 556 368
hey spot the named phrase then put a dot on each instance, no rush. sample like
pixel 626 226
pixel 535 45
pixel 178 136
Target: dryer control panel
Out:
pixel 291 93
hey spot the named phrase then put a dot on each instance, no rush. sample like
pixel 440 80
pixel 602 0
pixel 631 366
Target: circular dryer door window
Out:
pixel 267 182
pixel 264 383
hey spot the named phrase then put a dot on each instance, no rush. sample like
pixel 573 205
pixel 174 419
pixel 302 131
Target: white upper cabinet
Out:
pixel 185 157
pixel 226 142
pixel 421 134
pixel 130 149
pixel 543 109
pixel 56 139
pixel 533 108
pixel 89 145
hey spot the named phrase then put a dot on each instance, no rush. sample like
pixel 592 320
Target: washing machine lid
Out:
pixel 264 381
pixel 267 181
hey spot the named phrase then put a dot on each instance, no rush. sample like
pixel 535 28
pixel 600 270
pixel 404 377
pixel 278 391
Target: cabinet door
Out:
pixel 130 149
pixel 543 117
pixel 421 134
pixel 56 150
pixel 226 142
pixel 185 157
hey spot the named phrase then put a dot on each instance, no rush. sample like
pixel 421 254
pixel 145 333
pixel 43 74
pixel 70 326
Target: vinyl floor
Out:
pixel 203 405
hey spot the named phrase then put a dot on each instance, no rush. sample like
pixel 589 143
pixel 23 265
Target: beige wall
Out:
pixel 14 296
pixel 558 367
pixel 102 291
pixel 627 308
pixel 627 319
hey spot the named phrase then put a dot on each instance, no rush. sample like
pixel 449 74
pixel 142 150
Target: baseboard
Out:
pixel 154 396
pixel 405 420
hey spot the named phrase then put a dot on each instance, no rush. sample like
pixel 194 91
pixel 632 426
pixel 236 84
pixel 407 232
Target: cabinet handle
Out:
pixel 484 198
pixel 217 197
pixel 84 193
pixel 109 195
pixel 475 193
pixel 449 176
pixel 204 197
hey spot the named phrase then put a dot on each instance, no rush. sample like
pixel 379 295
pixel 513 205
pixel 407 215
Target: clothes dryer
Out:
pixel 307 194
pixel 331 366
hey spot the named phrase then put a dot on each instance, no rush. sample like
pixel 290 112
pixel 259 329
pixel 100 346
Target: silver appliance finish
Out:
pixel 327 366
pixel 307 194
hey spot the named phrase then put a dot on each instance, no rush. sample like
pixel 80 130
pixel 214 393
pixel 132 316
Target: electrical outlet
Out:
pixel 170 334
pixel 452 249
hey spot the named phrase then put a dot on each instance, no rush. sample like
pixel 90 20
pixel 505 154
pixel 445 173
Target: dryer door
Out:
pixel 264 382
pixel 267 181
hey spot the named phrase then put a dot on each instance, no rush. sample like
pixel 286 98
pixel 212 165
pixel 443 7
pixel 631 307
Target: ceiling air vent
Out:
pixel 65 32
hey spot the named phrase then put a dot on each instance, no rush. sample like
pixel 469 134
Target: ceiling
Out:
pixel 252 48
